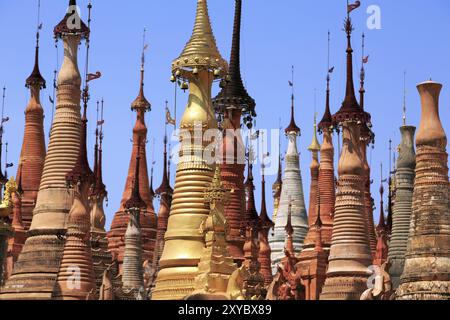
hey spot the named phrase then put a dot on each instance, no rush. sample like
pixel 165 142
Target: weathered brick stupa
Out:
pixel 16 242
pixel 199 63
pixel 165 193
pixel 367 137
pixel 426 275
pixel 312 259
pixel 265 225
pixel 326 179
pixel 148 216
pixel 101 256
pixel 32 155
pixel 76 278
pixel 406 164
pixel 292 191
pixel 350 254
pixel 132 270
pixel 232 103
pixel 314 148
pixel 35 272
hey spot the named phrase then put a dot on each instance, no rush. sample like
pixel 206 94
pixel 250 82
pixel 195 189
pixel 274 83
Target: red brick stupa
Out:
pixel 147 217
pixel 232 103
pixel 32 156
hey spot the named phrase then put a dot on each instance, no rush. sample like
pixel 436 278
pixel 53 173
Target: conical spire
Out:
pixel 71 27
pixel 292 128
pixel 263 216
pixel 250 211
pixel 327 120
pixel 36 79
pixel 289 229
pixel 318 224
pixel 201 50
pixel 165 184
pixel 289 244
pixel 315 145
pixel 152 192
pixel 141 103
pixel 350 109
pixel 233 94
pixel 135 200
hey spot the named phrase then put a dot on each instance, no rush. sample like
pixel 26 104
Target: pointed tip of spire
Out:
pixel 66 28
pixel 81 170
pixel 350 109
pixel 292 127
pixel 165 184
pixel 201 50
pixel 263 216
pixel 135 201
pixel 141 102
pixel 233 94
pixel 289 228
pixel 36 79
pixel 315 145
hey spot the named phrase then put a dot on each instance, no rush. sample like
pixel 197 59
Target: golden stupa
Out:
pixel 199 64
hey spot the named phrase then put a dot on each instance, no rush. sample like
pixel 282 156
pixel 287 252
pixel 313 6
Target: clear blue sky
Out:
pixel 275 35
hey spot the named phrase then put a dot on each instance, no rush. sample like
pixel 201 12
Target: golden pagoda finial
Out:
pixel 315 145
pixel 201 51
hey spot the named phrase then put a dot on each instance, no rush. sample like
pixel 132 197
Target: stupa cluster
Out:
pixel 207 241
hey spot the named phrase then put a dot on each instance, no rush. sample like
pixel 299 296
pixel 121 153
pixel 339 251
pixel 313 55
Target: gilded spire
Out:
pixel 233 94
pixel 141 103
pixel 201 50
pixel 315 145
pixel 292 128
